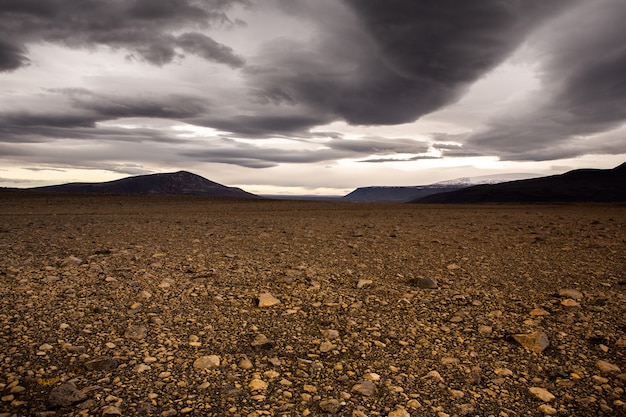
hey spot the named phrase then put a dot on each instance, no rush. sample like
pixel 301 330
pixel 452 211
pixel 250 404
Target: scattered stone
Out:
pixel 261 341
pixel 485 330
pixel 465 409
pixel 542 393
pixel 326 338
pixel 258 385
pixel 371 376
pixel 456 394
pixel 65 395
pixel 327 347
pixel 400 412
pixel 503 372
pixel 72 261
pixel 142 367
pixel 535 342
pixel 365 388
pixel 207 362
pixel 606 367
pixel 267 300
pixel 194 341
pixel 144 295
pixel 364 283
pixel 271 374
pixel 449 361
pixel 246 364
pixel 111 411
pixel 547 410
pixel 136 332
pixel 309 388
pixel 330 334
pixel 102 363
pixel 538 312
pixel 425 283
pixel 571 293
pixel 166 283
pixel 570 303
pixel 331 406
pixel 413 404
pixel 434 375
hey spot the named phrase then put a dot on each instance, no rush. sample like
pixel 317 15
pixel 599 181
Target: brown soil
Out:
pixel 148 285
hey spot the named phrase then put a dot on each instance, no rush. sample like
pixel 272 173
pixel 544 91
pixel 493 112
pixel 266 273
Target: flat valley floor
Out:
pixel 154 305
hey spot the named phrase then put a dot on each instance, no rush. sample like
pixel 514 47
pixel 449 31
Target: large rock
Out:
pixel 607 368
pixel 65 395
pixel 267 300
pixel 207 362
pixel 262 342
pixel 331 406
pixel 365 388
pixel 571 293
pixel 426 283
pixel 535 342
pixel 111 411
pixel 136 331
pixel 102 363
pixel 400 412
pixel 542 394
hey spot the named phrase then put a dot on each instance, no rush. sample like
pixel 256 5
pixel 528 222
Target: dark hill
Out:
pixel 398 194
pixel 181 182
pixel 582 185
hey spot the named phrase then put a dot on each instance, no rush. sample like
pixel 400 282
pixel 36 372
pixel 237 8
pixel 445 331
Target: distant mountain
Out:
pixel 181 182
pixel 396 194
pixel 581 185
pixel 400 194
pixel 486 179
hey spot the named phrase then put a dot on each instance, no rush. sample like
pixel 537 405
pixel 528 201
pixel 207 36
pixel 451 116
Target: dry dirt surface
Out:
pixel 165 306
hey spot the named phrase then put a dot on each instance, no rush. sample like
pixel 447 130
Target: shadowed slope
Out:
pixel 181 182
pixel 582 185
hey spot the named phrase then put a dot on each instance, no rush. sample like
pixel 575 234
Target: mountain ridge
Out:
pixel 180 182
pixel 404 194
pixel 580 185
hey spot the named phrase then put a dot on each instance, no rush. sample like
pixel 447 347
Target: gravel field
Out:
pixel 165 306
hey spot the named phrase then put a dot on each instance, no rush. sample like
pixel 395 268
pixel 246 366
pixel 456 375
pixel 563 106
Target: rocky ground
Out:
pixel 171 306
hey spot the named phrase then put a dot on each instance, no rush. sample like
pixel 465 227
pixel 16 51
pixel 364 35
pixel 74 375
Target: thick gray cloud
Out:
pixel 251 156
pixel 379 146
pixel 366 62
pixel 81 110
pixel 143 27
pixel 583 90
pixel 11 56
pixel 390 62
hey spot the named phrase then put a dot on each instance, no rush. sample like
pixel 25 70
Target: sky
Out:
pixel 309 96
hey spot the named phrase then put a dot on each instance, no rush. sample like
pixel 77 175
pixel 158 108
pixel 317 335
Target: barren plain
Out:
pixel 165 306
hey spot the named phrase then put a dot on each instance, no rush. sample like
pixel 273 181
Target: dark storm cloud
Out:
pixel 251 156
pixel 411 159
pixel 255 157
pixel 12 56
pixel 84 109
pixel 166 107
pixel 372 146
pixel 141 26
pixel 583 90
pixel 202 45
pixel 28 129
pixel 264 126
pixel 394 61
